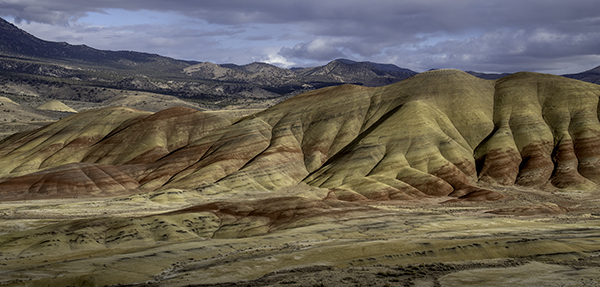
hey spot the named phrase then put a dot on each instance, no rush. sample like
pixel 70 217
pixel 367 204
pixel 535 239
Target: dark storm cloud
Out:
pixel 419 34
pixel 338 16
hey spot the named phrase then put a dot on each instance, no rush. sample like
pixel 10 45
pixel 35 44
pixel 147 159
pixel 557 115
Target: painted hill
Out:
pixel 442 133
pixel 443 170
pixel 56 105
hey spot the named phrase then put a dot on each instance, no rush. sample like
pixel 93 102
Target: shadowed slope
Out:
pixel 546 130
pixel 154 136
pixel 71 180
pixel 271 149
pixel 66 141
pixel 440 133
pixel 83 155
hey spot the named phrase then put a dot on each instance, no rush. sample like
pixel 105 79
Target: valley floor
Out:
pixel 397 244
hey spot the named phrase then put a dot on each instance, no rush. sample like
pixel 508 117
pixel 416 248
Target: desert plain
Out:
pixel 536 238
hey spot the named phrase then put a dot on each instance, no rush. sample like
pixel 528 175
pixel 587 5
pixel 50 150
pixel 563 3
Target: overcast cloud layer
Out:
pixel 488 36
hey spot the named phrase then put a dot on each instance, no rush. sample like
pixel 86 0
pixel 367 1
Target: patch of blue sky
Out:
pixel 230 36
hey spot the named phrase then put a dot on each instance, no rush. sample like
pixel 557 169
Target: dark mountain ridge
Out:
pixel 591 76
pixel 16 42
pixel 361 73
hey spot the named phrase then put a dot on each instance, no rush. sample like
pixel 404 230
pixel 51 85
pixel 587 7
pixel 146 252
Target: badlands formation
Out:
pixel 56 105
pixel 442 179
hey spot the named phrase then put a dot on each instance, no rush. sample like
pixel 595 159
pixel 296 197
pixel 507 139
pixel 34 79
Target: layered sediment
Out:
pixel 440 133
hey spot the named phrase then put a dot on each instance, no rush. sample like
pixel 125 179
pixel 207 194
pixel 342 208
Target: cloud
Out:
pixel 274 58
pixel 258 38
pixel 331 16
pixel 504 49
pixel 503 36
pixel 319 49
pixel 56 13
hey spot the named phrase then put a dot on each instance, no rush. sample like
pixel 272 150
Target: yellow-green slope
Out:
pixel 440 133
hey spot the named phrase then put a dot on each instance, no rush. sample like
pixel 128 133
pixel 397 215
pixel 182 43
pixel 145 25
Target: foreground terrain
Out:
pixel 302 242
pixel 443 179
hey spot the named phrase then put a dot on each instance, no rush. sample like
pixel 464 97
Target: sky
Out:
pixel 547 36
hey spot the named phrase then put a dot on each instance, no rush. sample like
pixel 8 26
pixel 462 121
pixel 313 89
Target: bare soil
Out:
pixel 403 243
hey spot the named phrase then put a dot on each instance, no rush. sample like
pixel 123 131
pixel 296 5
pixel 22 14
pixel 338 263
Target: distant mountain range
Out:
pixel 68 72
pixel 25 58
pixel 591 76
pixel 15 42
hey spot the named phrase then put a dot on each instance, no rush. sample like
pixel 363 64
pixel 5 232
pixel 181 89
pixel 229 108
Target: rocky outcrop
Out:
pixel 442 133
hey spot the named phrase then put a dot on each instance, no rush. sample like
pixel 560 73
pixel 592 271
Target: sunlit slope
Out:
pixel 440 133
pixel 56 105
pixel 418 140
pixel 277 147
